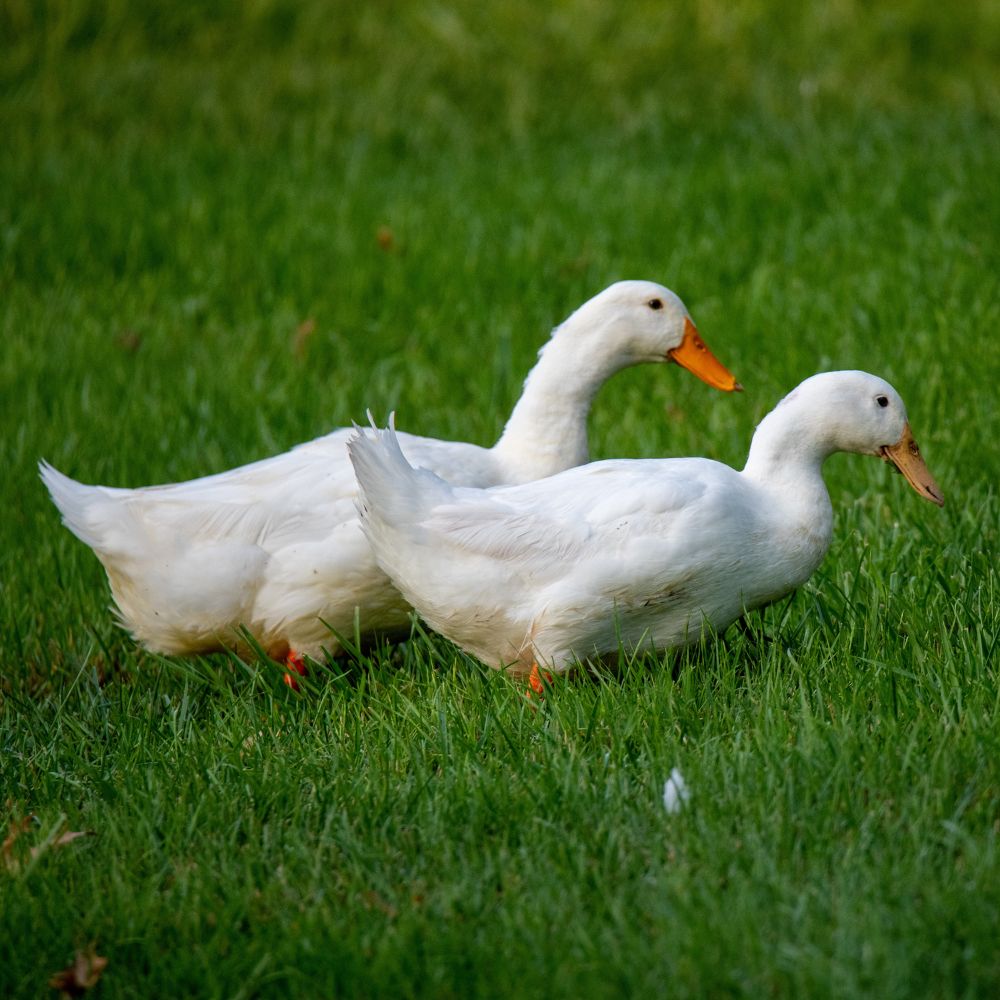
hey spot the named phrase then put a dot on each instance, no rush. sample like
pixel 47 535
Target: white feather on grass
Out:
pixel 675 792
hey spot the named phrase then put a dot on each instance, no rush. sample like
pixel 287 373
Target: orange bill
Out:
pixel 905 455
pixel 694 355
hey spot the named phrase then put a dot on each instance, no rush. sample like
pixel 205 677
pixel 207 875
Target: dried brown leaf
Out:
pixel 70 835
pixel 17 827
pixel 374 901
pixel 129 341
pixel 8 855
pixel 303 332
pixel 82 975
pixel 385 238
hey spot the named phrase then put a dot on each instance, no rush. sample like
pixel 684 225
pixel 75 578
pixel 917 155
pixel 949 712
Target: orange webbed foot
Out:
pixel 535 683
pixel 295 663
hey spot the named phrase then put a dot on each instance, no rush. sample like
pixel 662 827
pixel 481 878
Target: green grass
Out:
pixel 181 189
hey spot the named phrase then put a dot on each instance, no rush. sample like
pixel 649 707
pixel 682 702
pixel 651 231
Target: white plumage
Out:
pixel 646 553
pixel 276 546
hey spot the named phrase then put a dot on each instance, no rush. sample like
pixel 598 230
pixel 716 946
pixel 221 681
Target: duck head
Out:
pixel 641 321
pixel 858 412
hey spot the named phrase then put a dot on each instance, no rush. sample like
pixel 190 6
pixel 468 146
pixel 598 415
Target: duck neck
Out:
pixel 787 455
pixel 547 432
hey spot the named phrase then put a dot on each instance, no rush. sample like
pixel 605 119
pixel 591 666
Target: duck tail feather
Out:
pixel 75 502
pixel 390 490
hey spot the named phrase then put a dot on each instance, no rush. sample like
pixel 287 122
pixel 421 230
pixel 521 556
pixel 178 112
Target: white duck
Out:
pixel 646 553
pixel 276 546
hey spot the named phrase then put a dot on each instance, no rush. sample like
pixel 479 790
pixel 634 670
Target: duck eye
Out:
pixel 882 400
pixel 655 303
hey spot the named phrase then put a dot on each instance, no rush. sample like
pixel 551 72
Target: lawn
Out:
pixel 225 229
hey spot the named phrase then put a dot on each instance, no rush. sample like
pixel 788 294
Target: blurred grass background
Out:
pixel 228 227
pixel 202 179
pixel 273 71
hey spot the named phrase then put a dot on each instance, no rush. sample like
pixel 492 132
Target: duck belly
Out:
pixel 317 590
